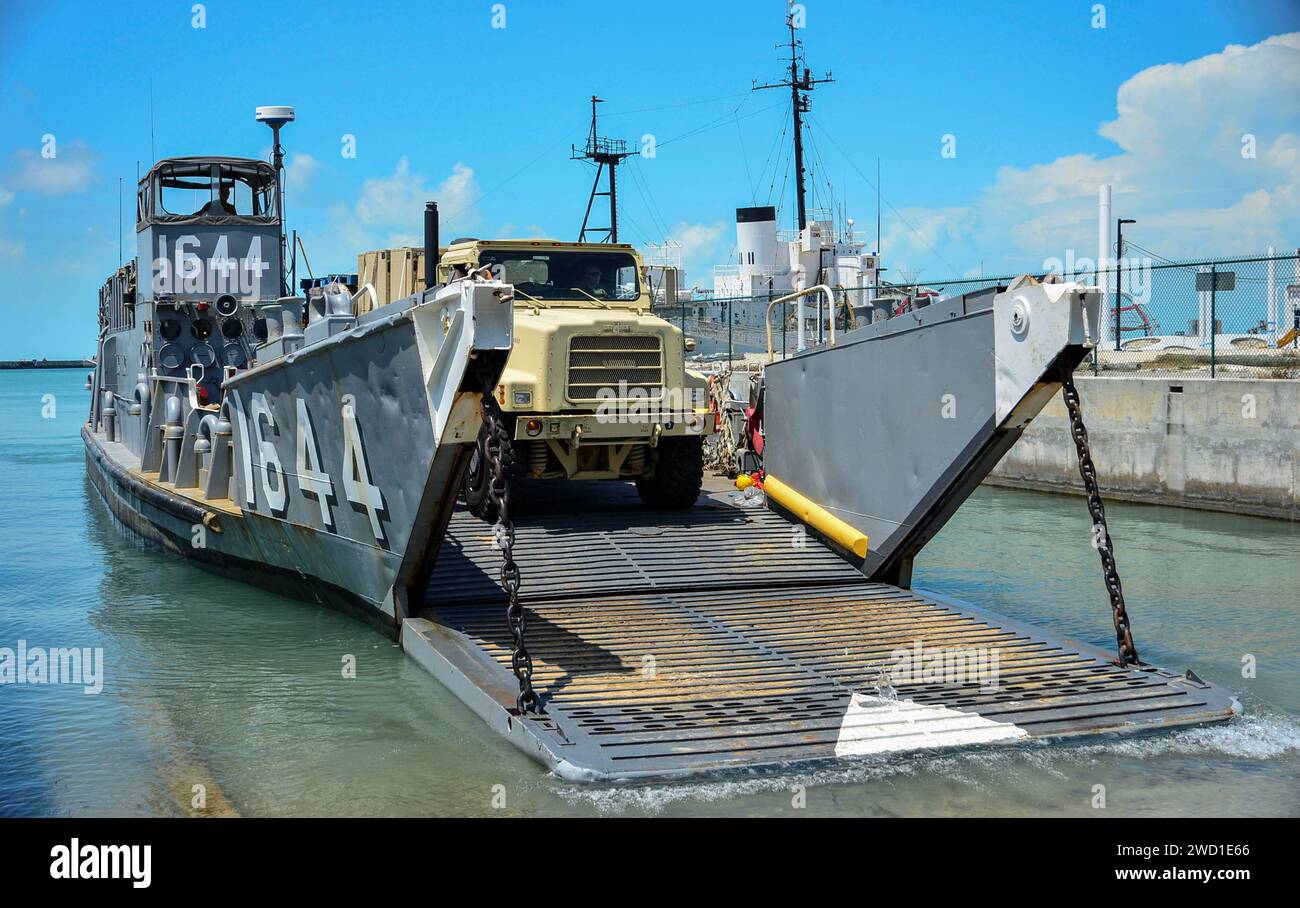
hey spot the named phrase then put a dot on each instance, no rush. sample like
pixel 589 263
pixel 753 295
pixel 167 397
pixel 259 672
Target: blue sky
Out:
pixel 1042 105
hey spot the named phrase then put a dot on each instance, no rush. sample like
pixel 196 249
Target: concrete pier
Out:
pixel 1217 444
pixel 47 364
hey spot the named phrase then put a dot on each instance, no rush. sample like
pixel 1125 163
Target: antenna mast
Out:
pixel 603 152
pixel 799 89
pixel 275 117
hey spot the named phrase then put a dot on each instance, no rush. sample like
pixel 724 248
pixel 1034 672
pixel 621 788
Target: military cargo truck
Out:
pixel 595 386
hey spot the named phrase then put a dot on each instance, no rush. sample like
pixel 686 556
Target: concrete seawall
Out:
pixel 1217 444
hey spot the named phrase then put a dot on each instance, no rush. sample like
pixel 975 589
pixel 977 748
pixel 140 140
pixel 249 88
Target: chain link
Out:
pixel 1128 654
pixel 499 456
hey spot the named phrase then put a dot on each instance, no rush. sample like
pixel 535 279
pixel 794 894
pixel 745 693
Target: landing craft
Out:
pixel 315 446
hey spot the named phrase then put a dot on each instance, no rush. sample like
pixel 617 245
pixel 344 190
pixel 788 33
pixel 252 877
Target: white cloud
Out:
pixel 71 170
pixel 1180 171
pixel 700 247
pixel 300 170
pixel 389 212
pixel 398 200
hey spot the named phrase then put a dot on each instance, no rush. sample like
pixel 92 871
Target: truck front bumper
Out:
pixel 581 428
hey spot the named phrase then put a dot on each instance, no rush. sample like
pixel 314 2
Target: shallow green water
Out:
pixel 214 683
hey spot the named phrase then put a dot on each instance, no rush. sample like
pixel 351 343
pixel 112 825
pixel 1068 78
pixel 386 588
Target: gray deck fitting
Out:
pixel 669 645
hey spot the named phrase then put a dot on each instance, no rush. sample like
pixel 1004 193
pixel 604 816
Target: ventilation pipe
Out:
pixel 108 414
pixel 430 244
pixel 173 435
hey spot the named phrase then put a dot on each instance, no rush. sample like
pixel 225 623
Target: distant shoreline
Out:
pixel 46 364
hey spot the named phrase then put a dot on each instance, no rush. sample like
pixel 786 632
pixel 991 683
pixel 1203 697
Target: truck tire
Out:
pixel 678 474
pixel 475 487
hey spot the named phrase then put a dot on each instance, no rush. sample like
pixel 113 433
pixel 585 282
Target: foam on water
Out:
pixel 1251 738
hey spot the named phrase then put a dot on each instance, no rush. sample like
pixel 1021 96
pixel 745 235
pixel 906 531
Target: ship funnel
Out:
pixel 756 239
pixel 430 244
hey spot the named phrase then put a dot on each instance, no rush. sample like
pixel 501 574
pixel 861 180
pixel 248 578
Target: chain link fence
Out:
pixel 1231 318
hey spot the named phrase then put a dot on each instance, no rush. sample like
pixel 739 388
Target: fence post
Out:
pixel 731 318
pixel 1096 348
pixel 1214 286
pixel 1119 289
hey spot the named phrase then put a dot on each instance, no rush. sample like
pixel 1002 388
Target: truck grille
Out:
pixel 603 361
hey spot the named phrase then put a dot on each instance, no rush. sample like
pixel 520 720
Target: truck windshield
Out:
pixel 558 274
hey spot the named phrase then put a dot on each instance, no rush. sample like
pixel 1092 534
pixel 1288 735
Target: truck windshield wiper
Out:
pixel 598 302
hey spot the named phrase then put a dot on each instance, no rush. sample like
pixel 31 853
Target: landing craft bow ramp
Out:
pixel 725 637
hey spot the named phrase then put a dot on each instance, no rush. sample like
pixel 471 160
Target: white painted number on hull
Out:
pixel 258 430
pixel 356 472
pixel 241 427
pixel 311 479
pixel 277 497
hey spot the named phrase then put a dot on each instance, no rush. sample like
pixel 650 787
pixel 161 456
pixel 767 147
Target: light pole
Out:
pixel 1119 279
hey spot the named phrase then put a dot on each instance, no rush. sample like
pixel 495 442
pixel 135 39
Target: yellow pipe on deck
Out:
pixel 816 516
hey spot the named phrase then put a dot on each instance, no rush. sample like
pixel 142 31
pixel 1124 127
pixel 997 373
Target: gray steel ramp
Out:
pixel 712 546
pixel 677 662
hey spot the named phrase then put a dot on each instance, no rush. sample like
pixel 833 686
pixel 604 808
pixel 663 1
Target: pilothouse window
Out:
pixel 210 189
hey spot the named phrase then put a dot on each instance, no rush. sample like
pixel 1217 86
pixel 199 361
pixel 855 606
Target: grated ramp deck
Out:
pixel 674 644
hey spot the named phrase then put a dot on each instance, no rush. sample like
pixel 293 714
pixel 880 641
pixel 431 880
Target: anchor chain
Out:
pixel 1128 654
pixel 499 456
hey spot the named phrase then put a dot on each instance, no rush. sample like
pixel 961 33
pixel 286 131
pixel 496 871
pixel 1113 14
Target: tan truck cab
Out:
pixel 596 387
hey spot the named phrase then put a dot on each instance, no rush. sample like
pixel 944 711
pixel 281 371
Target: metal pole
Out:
pixel 1271 312
pixel 278 160
pixel 799 344
pixel 1213 293
pixel 798 130
pixel 1103 261
pixel 731 317
pixel 1119 277
pixel 784 316
pixel 613 200
pixel 1295 310
pixel 1096 350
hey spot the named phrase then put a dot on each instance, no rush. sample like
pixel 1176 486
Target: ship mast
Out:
pixel 603 152
pixel 799 105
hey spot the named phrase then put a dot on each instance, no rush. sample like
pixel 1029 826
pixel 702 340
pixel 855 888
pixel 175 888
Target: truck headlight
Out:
pixel 523 398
